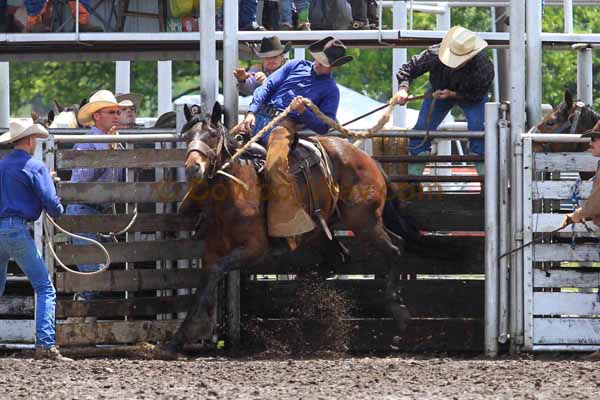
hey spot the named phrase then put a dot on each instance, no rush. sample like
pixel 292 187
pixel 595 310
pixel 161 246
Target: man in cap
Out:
pixel 27 189
pixel 459 74
pixel 272 54
pixel 102 114
pixel 590 210
pixel 289 85
pixel 129 104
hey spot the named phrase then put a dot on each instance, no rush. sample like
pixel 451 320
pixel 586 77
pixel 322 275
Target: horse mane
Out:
pixel 589 117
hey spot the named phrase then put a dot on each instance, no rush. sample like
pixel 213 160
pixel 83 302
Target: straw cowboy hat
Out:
pixel 130 99
pixel 330 52
pixel 20 130
pixel 459 46
pixel 99 100
pixel 271 47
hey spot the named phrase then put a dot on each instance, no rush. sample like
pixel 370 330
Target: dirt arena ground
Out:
pixel 397 377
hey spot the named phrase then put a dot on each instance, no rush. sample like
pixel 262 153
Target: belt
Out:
pixel 271 112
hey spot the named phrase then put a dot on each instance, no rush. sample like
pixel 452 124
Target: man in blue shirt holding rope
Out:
pixel 289 85
pixel 27 189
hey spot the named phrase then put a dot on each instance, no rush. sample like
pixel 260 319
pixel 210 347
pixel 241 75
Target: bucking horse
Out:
pixel 338 183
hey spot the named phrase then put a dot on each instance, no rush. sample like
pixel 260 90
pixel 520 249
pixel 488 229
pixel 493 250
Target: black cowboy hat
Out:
pixel 330 52
pixel 592 134
pixel 271 47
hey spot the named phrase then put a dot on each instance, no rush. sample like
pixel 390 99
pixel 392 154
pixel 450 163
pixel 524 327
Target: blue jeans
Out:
pixel 84 209
pixel 17 244
pixel 34 7
pixel 285 9
pixel 475 113
pixel 261 121
pixel 247 12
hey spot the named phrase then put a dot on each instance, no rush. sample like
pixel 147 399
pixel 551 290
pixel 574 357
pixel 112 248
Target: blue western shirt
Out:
pixel 298 78
pixel 96 174
pixel 26 188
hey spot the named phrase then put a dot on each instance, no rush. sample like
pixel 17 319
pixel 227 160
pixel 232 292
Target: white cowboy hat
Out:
pixel 20 130
pixel 99 100
pixel 459 46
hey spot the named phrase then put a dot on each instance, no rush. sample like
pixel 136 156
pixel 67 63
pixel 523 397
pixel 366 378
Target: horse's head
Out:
pixel 569 116
pixel 205 136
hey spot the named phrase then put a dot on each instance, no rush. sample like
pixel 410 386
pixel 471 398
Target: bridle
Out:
pixel 198 145
pixel 570 124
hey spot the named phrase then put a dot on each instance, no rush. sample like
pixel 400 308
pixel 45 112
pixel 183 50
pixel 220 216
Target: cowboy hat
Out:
pixel 459 46
pixel 330 52
pixel 99 100
pixel 20 130
pixel 129 99
pixel 592 134
pixel 271 47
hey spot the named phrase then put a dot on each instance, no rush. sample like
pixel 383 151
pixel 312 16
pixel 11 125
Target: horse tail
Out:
pixel 397 220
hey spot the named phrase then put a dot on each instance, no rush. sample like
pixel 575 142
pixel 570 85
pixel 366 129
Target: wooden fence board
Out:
pixel 548 303
pixel 566 331
pixel 132 251
pixel 440 255
pixel 559 190
pixel 135 307
pixel 115 332
pixel 114 223
pixel 447 213
pixel 549 222
pixel 565 162
pixel 132 280
pixel 135 158
pixel 566 278
pixel 10 305
pixel 564 252
pixel 424 298
pixel 377 335
pixel 121 192
pixel 17 331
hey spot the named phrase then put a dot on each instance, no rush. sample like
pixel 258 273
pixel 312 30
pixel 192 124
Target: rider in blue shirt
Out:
pixel 27 189
pixel 289 85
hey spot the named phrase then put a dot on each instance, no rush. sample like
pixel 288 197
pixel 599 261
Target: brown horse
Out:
pixel 236 219
pixel 568 117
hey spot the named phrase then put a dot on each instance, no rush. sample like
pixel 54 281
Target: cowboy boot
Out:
pixel 84 18
pixel 303 24
pixel 285 215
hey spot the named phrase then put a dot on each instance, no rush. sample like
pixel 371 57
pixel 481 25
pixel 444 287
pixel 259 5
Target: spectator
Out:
pixel 36 9
pixel 272 54
pixel 460 74
pixel 247 16
pixel 286 11
pixel 102 114
pixel 26 188
pixel 129 104
pixel 287 86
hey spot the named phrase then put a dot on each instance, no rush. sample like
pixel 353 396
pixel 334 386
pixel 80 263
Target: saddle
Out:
pixel 304 156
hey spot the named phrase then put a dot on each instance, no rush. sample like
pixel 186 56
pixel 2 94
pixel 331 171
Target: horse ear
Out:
pixel 217 112
pixel 83 103
pixel 50 116
pixel 187 112
pixel 58 107
pixel 568 97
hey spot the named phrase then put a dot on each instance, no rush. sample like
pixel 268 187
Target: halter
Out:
pixel 571 123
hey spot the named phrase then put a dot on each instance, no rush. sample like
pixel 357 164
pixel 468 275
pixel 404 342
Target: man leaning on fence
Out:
pixel 27 189
pixel 102 114
pixel 460 74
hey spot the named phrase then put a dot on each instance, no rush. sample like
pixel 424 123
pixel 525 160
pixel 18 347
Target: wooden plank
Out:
pixel 434 212
pixel 133 307
pixel 564 252
pixel 439 255
pixel 17 331
pixel 132 280
pixel 559 190
pixel 567 278
pixel 130 158
pixel 425 298
pixel 132 251
pixel 549 222
pixel 373 335
pixel 114 223
pixel 565 162
pixel 566 331
pixel 115 332
pixel 11 305
pixel 548 303
pixel 121 192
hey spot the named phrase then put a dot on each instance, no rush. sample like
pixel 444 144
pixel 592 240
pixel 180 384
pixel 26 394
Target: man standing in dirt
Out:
pixel 27 189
